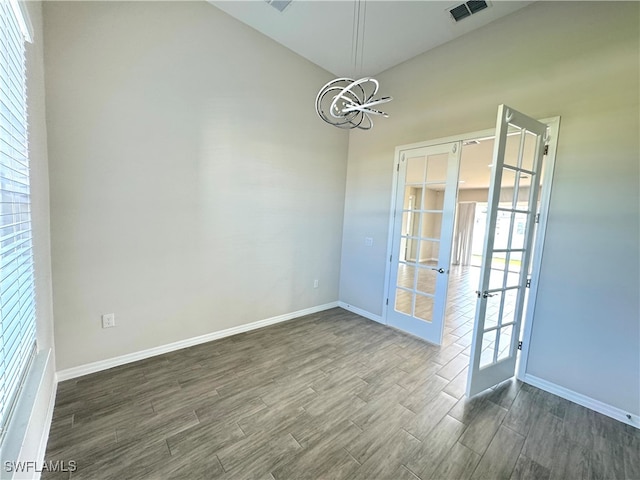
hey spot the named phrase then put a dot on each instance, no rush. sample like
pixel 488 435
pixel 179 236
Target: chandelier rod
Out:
pixel 345 102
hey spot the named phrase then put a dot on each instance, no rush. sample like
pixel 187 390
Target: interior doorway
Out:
pixel 468 240
pixel 516 211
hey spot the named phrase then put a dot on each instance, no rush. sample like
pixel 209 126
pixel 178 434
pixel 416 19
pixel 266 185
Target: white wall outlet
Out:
pixel 315 283
pixel 368 241
pixel 108 320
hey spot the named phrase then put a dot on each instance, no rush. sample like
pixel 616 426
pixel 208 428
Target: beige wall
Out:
pixel 193 188
pixel 579 60
pixel 473 195
pixel 481 195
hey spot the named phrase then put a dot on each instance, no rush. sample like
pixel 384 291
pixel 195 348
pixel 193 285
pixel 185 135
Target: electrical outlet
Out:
pixel 108 320
pixel 315 283
pixel 368 241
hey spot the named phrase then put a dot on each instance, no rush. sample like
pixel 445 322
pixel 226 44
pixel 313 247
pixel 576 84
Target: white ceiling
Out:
pixel 394 30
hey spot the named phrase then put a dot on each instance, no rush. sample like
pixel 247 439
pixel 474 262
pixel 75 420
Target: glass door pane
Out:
pixel 511 213
pixel 423 232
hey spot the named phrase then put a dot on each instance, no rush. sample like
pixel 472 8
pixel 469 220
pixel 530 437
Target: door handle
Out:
pixel 439 270
pixel 485 294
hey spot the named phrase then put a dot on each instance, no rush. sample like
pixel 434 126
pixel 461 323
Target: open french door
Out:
pixel 422 237
pixel 513 197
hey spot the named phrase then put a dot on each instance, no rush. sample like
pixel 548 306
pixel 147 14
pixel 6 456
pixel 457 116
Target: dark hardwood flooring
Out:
pixel 327 396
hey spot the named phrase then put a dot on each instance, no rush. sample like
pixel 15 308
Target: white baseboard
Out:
pixel 580 399
pixel 361 312
pixel 93 367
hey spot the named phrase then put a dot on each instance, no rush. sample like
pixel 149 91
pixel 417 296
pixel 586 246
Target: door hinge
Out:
pixel 546 150
pixel 528 283
pixel 537 218
pixel 519 345
pixel 387 301
pixel 390 257
pixel 398 168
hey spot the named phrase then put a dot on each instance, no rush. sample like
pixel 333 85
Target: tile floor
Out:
pixel 331 396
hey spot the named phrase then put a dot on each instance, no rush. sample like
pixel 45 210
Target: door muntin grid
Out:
pixel 423 215
pixel 506 263
pixel 422 223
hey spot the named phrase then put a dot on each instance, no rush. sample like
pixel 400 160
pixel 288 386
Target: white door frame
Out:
pixel 545 196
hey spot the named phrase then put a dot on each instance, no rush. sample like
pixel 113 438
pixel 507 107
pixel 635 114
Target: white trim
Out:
pixel 362 313
pixel 397 156
pixel 538 250
pixel 461 137
pixel 94 367
pixel 580 399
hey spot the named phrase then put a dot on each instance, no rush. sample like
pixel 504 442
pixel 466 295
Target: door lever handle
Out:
pixel 439 270
pixel 485 294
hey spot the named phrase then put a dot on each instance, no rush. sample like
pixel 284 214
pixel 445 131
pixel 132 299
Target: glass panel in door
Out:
pixel 423 232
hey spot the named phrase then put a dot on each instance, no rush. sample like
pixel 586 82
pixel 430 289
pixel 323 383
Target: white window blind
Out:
pixel 17 298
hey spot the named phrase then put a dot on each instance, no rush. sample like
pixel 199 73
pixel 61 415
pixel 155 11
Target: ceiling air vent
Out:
pixel 467 9
pixel 279 5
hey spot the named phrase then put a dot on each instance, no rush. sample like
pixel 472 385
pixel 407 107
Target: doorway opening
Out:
pixel 468 240
pixel 491 218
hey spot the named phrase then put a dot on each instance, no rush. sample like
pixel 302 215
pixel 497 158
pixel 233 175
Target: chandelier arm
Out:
pixel 348 88
pixel 366 106
pixel 377 112
pixel 328 84
pixel 323 114
pixel 360 118
pixel 368 125
pixel 331 87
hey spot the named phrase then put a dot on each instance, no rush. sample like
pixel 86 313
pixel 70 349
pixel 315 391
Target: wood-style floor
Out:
pixel 327 396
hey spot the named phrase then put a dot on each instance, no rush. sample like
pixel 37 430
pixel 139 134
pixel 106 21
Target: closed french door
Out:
pixel 422 237
pixel 504 276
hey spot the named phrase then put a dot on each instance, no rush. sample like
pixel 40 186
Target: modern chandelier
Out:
pixel 345 102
